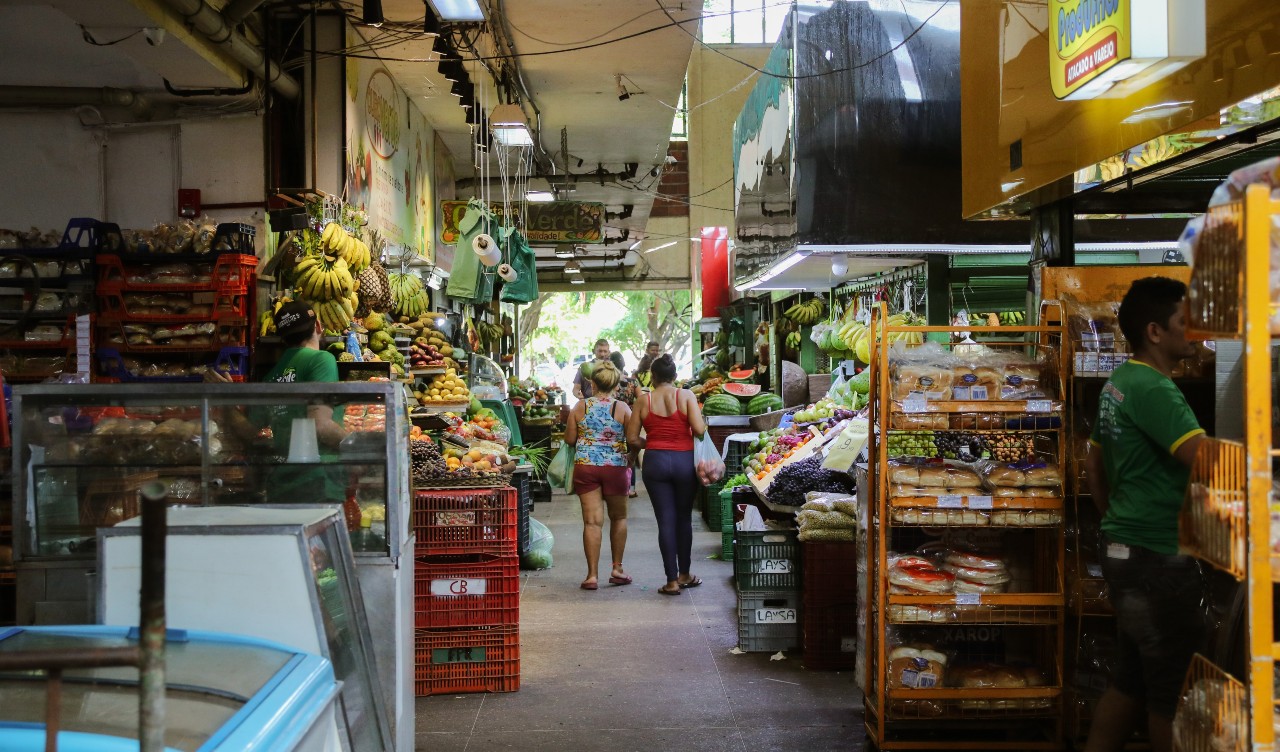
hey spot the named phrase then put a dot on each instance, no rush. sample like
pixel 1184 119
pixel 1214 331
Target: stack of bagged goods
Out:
pixel 827 517
pixel 1023 480
pixel 997 676
pixel 182 236
pixel 919 478
pixel 917 665
pixel 917 575
pixel 202 335
pixel 932 373
pixel 975 572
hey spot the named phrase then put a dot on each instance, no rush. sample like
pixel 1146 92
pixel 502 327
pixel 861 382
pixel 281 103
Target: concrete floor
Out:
pixel 625 668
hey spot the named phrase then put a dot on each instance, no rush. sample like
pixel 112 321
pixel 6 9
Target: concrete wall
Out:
pixel 57 168
pixel 717 89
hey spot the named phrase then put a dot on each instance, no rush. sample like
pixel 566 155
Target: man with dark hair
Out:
pixel 582 379
pixel 1143 444
pixel 651 353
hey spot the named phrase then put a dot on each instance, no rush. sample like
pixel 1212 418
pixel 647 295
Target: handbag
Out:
pixel 560 471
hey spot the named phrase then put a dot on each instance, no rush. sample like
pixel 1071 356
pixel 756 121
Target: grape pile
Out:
pixel 911 444
pixel 425 462
pixel 792 481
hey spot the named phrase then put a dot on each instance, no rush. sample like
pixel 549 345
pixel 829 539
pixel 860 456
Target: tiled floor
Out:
pixel 624 668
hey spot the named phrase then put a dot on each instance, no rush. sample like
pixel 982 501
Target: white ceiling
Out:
pixel 573 89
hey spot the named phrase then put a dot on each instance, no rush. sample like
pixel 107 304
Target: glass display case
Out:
pixel 86 450
pixel 488 380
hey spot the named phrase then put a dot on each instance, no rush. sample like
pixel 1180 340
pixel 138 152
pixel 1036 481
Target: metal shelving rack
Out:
pixel 1227 519
pixel 1025 718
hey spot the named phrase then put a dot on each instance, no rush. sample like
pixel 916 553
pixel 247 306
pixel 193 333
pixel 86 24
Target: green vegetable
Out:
pixel 536 560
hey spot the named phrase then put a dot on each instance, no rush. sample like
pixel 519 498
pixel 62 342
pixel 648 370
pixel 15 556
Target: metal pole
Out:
pixel 151 618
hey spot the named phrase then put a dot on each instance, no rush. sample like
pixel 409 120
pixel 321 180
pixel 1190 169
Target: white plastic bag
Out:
pixel 707 461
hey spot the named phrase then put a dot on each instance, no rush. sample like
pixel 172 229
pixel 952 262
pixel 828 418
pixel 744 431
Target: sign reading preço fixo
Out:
pixel 1086 39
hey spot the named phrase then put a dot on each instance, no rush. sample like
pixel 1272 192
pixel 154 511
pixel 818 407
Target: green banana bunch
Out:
pixel 407 295
pixel 793 340
pixel 807 312
pixel 1013 318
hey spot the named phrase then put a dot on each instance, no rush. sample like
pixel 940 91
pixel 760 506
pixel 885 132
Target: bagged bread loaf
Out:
pixel 916 666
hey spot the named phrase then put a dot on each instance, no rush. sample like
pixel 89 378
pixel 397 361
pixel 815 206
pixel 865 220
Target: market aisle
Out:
pixel 624 668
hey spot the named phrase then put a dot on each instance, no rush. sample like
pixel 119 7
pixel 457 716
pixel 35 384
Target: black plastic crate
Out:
pixel 524 503
pixel 768 621
pixel 767 560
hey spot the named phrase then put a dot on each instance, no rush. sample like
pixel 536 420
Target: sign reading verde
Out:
pixel 552 222
pixel 1087 38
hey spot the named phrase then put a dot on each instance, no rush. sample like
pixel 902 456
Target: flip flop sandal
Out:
pixel 696 581
pixel 663 590
pixel 589 586
pixel 623 580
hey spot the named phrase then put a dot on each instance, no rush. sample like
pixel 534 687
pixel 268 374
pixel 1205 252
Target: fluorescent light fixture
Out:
pixel 773 271
pixel 634 245
pixel 572 268
pixel 539 197
pixel 509 126
pixel 458 11
pixel 577 280
pixel 564 251
pixel 660 247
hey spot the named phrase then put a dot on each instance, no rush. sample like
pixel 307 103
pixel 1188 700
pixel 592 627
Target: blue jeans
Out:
pixel 1160 623
pixel 671 481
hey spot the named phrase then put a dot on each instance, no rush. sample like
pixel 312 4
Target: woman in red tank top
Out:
pixel 671 420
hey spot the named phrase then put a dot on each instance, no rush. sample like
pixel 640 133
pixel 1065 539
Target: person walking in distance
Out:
pixel 582 379
pixel 671 419
pixel 601 471
pixel 642 375
pixel 1143 444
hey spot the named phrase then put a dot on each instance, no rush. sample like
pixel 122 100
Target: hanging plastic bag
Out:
pixel 541 542
pixel 560 471
pixel 707 461
pixel 521 258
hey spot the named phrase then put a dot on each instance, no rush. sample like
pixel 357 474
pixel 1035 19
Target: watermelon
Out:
pixel 741 390
pixel 765 402
pixel 722 404
pixel 745 374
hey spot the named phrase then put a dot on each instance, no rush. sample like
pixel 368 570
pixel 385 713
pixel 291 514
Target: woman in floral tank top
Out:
pixel 601 472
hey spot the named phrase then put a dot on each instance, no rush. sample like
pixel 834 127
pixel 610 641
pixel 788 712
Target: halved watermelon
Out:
pixel 745 374
pixel 741 390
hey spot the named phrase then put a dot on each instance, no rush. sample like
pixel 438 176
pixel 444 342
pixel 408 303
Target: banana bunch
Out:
pixel 336 241
pixel 856 335
pixel 793 340
pixel 808 312
pixel 408 297
pixel 490 335
pixel 1013 318
pixel 1156 151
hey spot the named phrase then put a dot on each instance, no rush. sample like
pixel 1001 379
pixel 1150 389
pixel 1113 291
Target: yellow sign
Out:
pixel 1087 38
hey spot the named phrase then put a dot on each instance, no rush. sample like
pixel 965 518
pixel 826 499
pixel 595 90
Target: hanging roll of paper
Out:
pixel 486 249
pixel 507 273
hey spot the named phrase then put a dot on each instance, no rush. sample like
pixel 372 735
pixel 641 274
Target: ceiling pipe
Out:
pixel 74 96
pixel 210 23
pixel 238 10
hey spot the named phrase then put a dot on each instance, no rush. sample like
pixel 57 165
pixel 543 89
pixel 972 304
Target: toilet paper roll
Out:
pixel 507 273
pixel 486 249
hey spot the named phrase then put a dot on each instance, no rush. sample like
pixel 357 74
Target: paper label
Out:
pixel 843 451
pixel 979 393
pixel 1094 570
pixel 1117 551
pixel 950 502
pixel 916 402
pixel 450 588
pixel 774 566
pixel 919 679
pixel 457 655
pixel 1039 406
pixel 980 502
pixel 775 616
pixel 961 393
pixel 936 396
pixel 968 599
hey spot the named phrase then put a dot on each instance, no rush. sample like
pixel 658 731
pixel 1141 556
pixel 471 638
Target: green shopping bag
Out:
pixel 467 279
pixel 521 258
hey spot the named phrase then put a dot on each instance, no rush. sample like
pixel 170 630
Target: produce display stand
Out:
pixel 1024 624
pixel 762 486
pixel 1227 519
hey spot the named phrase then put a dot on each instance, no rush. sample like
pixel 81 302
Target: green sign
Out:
pixel 457 655
pixel 551 222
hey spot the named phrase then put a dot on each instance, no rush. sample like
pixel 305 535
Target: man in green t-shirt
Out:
pixel 1141 450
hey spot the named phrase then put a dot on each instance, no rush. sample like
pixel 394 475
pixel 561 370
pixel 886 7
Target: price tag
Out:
pixel 979 502
pixel 968 599
pixel 774 566
pixel 961 393
pixel 916 402
pixel 950 502
pixel 979 393
pixel 452 588
pixel 1039 406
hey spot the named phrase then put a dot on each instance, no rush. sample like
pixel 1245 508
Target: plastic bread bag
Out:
pixel 923 369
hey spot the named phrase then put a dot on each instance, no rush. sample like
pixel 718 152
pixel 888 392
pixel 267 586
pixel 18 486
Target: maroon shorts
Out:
pixel 612 480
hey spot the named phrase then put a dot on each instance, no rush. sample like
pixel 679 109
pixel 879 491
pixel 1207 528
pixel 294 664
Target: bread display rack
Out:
pixel 1227 518
pixel 965 614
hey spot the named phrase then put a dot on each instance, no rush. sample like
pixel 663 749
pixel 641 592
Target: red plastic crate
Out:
pixel 830 573
pixel 466 591
pixel 827 634
pixel 466 660
pixel 466 521
pixel 226 272
pixel 234 270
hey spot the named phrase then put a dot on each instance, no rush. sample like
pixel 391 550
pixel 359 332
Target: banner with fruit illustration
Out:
pixel 388 154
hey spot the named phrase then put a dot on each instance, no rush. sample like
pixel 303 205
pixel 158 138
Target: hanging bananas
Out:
pixel 808 312
pixel 325 282
pixel 407 295
pixel 856 335
pixel 793 340
pixel 335 240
